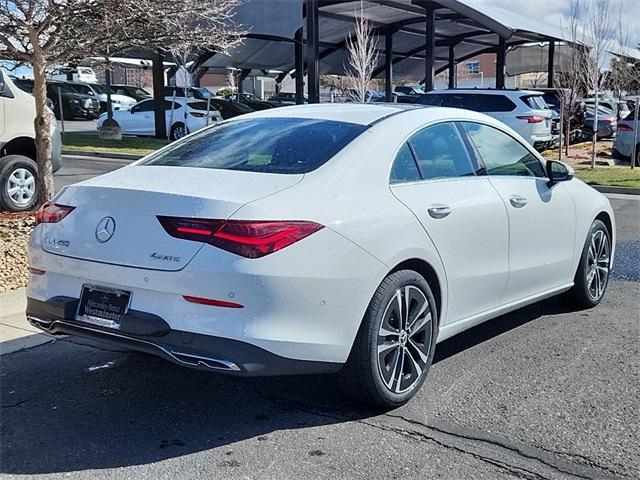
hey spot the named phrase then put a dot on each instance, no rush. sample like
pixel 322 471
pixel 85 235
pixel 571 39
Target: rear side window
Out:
pixel 477 102
pixel 534 101
pixel 269 145
pixel 198 105
pixel 502 154
pixel 404 167
pixel 441 152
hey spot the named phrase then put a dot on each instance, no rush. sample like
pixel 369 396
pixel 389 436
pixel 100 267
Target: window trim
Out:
pixel 527 147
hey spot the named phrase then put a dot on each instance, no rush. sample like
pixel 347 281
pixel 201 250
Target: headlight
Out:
pixel 73 100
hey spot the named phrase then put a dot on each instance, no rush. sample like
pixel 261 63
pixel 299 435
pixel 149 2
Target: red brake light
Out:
pixel 250 239
pixel 52 213
pixel 531 118
pixel 212 302
pixel 624 128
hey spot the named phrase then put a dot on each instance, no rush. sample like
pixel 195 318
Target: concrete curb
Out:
pixel 620 190
pixel 120 156
pixel 13 302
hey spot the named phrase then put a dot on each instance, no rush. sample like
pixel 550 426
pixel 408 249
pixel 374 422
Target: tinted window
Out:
pixel 198 105
pixel 534 101
pixel 501 154
pixel 270 145
pixel 404 167
pixel 440 152
pixel 470 101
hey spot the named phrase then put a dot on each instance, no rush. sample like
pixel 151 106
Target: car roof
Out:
pixel 488 91
pixel 360 113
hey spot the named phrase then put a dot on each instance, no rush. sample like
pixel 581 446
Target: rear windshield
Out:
pixel 269 145
pixel 469 101
pixel 535 101
pixel 198 105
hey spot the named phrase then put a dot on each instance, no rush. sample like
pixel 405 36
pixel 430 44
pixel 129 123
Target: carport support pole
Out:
pixel 550 72
pixel 430 42
pixel 501 56
pixel 313 79
pixel 388 65
pixel 299 64
pixel 452 66
pixel 157 70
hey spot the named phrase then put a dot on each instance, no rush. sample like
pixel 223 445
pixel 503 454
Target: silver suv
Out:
pixel 523 110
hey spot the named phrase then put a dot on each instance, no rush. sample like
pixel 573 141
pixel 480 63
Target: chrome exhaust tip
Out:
pixel 40 323
pixel 212 363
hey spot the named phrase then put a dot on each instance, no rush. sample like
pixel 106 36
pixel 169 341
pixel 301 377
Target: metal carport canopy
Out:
pixel 471 27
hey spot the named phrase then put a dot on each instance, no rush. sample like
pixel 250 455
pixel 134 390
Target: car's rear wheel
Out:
pixel 394 348
pixel 592 276
pixel 18 183
pixel 178 131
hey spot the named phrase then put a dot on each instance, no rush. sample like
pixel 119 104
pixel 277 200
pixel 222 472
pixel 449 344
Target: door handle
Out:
pixel 518 201
pixel 439 211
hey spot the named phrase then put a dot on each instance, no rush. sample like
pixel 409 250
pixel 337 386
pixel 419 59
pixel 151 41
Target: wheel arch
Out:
pixel 605 218
pixel 25 146
pixel 430 275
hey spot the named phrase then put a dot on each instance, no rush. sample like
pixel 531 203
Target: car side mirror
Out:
pixel 558 172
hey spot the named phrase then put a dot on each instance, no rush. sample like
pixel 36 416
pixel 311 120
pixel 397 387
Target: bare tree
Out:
pixel 597 34
pixel 622 72
pixel 47 32
pixel 362 48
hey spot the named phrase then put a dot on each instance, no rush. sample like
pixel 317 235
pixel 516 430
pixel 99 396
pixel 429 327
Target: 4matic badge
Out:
pixel 166 258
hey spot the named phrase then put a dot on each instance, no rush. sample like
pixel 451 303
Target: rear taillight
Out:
pixel 248 238
pixel 531 118
pixel 52 213
pixel 624 128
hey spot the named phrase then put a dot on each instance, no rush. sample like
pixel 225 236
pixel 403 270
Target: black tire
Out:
pixel 638 155
pixel 10 168
pixel 176 129
pixel 367 377
pixel 583 294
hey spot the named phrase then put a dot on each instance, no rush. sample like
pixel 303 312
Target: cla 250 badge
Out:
pixel 56 242
pixel 166 258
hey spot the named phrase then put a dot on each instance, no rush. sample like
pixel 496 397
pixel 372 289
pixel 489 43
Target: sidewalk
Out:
pixel 15 332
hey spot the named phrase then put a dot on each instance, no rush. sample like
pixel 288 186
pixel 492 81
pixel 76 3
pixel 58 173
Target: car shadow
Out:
pixel 75 405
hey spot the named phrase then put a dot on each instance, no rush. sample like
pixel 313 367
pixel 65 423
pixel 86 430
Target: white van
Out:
pixel 79 74
pixel 18 168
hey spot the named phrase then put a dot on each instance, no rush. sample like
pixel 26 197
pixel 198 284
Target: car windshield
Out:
pixel 84 89
pixel 62 87
pixel 133 91
pixel 99 88
pixel 268 145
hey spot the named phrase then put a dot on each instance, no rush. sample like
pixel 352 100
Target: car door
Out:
pixel 140 119
pixel 438 178
pixel 541 218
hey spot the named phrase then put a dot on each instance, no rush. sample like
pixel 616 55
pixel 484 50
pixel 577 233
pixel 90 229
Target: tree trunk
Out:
pixel 567 139
pixel 43 128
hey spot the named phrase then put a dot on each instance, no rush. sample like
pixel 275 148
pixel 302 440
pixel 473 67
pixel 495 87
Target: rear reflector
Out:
pixel 624 128
pixel 250 239
pixel 36 271
pixel 531 118
pixel 212 302
pixel 52 213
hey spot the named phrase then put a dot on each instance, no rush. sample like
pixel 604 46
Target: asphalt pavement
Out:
pixel 541 393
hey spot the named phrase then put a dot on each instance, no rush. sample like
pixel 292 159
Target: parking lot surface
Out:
pixel 541 393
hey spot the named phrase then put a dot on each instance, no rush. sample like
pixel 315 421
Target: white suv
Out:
pixel 523 110
pixel 18 168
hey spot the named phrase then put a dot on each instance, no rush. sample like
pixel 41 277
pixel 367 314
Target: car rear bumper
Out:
pixel 149 333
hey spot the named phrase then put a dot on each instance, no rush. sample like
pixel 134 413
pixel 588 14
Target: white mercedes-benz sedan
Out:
pixel 319 238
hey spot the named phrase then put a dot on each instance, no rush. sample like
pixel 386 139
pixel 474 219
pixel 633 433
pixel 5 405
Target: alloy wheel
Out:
pixel 21 186
pixel 179 131
pixel 404 339
pixel 598 259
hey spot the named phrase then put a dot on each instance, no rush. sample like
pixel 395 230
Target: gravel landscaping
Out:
pixel 14 237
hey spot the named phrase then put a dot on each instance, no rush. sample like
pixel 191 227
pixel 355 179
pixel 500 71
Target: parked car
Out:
pixel 286 98
pixel 74 105
pixel 619 107
pixel 227 108
pixel 623 144
pixel 409 90
pixel 18 168
pixel 137 93
pixel 118 102
pixel 78 74
pixel 523 110
pixel 323 238
pixel 251 101
pixel 607 123
pixel 184 117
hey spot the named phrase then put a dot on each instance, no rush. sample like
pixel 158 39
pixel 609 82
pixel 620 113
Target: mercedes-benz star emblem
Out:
pixel 105 229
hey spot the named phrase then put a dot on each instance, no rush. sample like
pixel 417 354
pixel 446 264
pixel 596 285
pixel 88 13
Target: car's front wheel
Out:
pixel 394 348
pixel 178 131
